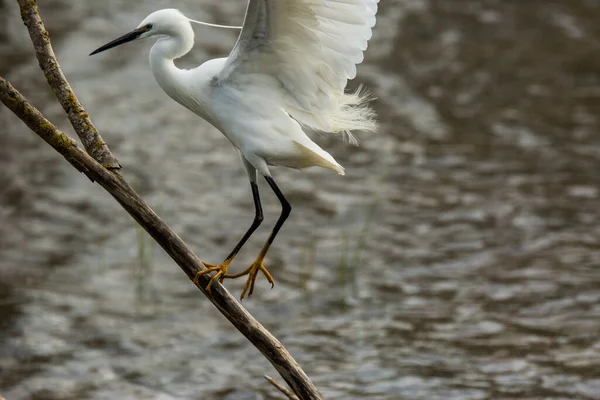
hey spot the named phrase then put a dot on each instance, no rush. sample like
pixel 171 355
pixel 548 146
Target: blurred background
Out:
pixel 458 259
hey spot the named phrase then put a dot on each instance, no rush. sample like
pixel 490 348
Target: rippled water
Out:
pixel 458 259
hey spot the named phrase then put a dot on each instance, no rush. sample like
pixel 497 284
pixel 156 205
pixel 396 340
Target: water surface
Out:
pixel 458 259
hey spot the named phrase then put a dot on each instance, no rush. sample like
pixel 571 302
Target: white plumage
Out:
pixel 288 70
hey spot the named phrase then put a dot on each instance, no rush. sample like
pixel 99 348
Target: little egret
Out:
pixel 288 70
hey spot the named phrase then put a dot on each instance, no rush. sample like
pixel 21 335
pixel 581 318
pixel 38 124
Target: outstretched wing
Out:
pixel 310 49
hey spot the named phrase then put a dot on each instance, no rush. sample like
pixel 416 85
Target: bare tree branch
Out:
pixel 288 393
pixel 114 184
pixel 85 129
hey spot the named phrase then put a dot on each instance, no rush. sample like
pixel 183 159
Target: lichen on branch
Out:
pixel 85 129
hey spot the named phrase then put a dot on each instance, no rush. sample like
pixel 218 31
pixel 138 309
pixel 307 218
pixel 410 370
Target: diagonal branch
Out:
pixel 85 129
pixel 114 184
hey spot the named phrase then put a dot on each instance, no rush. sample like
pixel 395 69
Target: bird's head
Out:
pixel 170 22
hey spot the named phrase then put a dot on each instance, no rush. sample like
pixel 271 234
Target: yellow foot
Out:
pixel 252 271
pixel 220 270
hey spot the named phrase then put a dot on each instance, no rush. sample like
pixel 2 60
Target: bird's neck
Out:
pixel 168 48
pixel 177 82
pixel 162 54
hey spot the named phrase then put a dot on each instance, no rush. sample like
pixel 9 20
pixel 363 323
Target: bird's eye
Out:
pixel 149 26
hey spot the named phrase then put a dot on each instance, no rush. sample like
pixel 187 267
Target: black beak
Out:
pixel 128 37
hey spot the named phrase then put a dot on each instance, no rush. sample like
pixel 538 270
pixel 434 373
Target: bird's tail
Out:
pixel 319 157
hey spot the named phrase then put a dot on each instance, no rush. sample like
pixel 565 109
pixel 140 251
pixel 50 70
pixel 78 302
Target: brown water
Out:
pixel 458 259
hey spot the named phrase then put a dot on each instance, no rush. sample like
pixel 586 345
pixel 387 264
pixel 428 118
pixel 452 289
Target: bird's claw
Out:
pixel 252 272
pixel 220 270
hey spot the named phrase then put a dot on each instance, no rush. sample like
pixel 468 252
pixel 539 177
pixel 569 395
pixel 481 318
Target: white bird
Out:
pixel 287 71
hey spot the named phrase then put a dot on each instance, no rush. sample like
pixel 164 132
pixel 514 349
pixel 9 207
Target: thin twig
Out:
pixel 87 132
pixel 288 393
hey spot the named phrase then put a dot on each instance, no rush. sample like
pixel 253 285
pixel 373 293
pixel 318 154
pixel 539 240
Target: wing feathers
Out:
pixel 312 48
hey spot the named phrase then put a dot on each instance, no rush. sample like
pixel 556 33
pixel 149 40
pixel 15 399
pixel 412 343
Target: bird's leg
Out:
pixel 258 264
pixel 221 269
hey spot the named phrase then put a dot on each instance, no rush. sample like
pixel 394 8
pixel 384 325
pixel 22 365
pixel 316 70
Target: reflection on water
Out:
pixel 475 277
